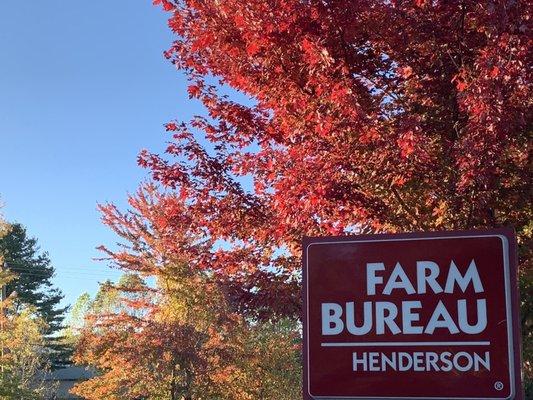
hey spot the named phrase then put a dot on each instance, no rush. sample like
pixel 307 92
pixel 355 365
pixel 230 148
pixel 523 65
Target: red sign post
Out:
pixel 412 316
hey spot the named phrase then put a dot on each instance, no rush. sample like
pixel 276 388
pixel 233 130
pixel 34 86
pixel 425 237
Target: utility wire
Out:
pixel 25 263
pixel 59 273
pixel 77 270
pixel 83 278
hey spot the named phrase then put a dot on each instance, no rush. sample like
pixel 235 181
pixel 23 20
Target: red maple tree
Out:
pixel 364 116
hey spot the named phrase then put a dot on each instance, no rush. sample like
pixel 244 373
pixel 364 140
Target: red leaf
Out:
pixel 194 91
pixel 253 48
pixel 167 5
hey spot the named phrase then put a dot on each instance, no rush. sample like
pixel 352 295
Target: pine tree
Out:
pixel 33 286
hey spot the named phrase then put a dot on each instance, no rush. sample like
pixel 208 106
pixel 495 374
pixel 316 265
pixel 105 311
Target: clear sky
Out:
pixel 83 88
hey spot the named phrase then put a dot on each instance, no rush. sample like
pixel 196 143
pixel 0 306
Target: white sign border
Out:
pixel 508 311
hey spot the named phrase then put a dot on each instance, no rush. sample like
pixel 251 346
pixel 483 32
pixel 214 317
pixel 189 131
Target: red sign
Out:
pixel 412 316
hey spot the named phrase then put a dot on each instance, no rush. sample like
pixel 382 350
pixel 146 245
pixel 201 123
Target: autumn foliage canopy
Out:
pixel 365 116
pixel 360 116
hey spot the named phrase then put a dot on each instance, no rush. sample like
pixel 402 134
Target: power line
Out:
pixel 71 276
pixel 76 270
pixel 61 274
pixel 74 276
pixel 56 273
pixel 24 264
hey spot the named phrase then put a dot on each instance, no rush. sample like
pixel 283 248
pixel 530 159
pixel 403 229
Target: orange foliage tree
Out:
pixel 179 337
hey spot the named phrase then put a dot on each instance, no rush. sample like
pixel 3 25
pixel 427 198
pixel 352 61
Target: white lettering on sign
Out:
pixel 383 317
pixel 421 361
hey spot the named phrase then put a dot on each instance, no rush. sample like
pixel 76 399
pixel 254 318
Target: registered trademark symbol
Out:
pixel 498 385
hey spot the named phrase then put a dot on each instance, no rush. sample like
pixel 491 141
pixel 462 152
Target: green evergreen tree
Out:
pixel 33 287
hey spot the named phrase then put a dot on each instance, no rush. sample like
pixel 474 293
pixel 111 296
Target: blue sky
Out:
pixel 83 88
